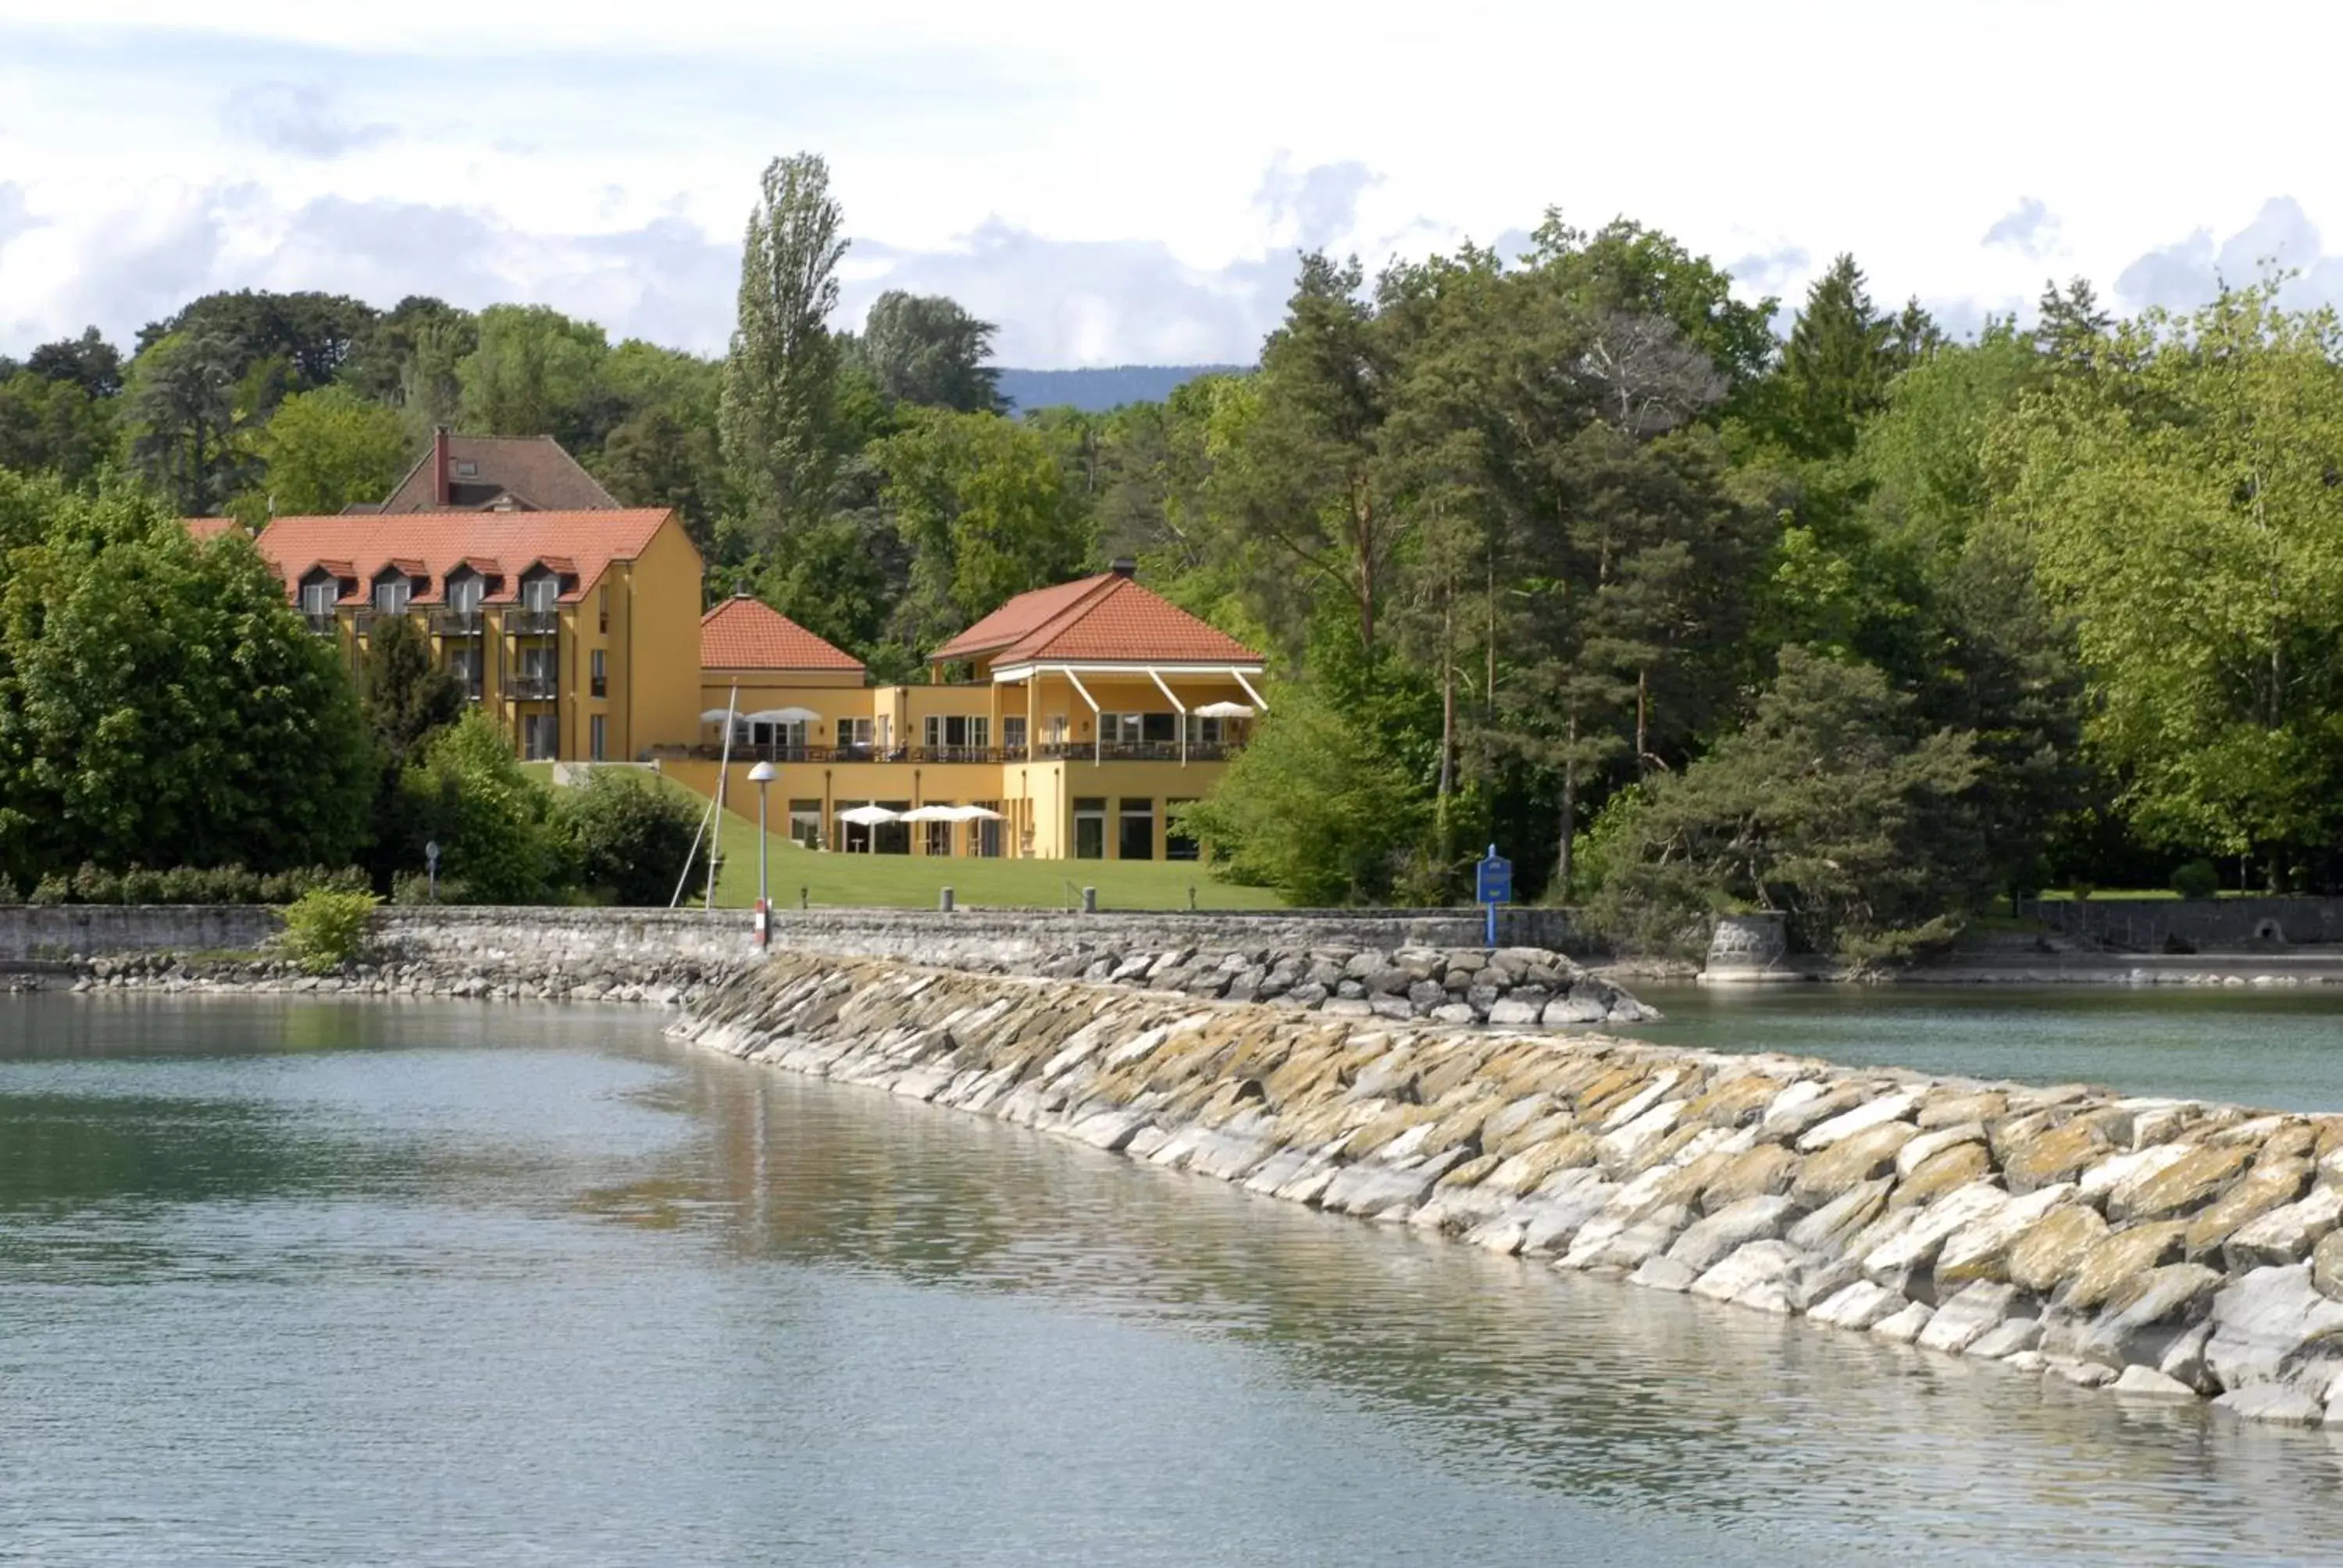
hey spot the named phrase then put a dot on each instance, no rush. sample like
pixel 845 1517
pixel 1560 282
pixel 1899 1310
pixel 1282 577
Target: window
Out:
pixel 602 605
pixel 465 469
pixel 854 735
pixel 601 674
pixel 464 664
pixel 1090 828
pixel 464 591
pixel 1053 732
pixel 1012 735
pixel 539 592
pixel 538 737
pixel 318 595
pixel 391 594
pixel 957 733
pixel 1177 846
pixel 1204 732
pixel 985 835
pixel 1136 841
pixel 766 736
pixel 938 835
pixel 805 823
pixel 594 743
pixel 893 837
pixel 1120 729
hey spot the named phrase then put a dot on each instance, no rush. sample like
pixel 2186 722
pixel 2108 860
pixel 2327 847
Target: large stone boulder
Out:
pixel 2054 1247
pixel 2058 1154
pixel 2271 1185
pixel 1863 1155
pixel 2118 1260
pixel 2181 1186
pixel 2287 1233
pixel 2274 1326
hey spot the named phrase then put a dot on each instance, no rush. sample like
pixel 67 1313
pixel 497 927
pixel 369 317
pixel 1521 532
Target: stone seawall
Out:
pixel 2169 1249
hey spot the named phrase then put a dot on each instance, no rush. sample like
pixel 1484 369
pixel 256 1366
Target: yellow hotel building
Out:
pixel 1063 726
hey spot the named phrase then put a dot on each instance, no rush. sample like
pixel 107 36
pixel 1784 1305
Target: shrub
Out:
pixel 8 894
pixel 51 890
pixel 95 885
pixel 2196 880
pixel 495 826
pixel 141 886
pixel 323 929
pixel 632 836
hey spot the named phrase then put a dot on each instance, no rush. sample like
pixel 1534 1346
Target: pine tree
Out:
pixel 1836 367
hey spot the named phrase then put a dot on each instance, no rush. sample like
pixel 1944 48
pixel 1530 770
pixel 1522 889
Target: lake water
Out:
pixel 2279 1047
pixel 290 1281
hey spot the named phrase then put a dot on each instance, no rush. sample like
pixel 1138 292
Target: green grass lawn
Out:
pixel 913 881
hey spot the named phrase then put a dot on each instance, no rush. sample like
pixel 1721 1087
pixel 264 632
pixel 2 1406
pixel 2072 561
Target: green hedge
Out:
pixel 184 885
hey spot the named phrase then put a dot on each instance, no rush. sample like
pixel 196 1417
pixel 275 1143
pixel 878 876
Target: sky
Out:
pixel 1117 184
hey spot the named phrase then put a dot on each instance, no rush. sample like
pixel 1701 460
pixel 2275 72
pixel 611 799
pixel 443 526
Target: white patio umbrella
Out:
pixel 1225 710
pixel 974 814
pixel 715 715
pixel 933 814
pixel 781 716
pixel 868 816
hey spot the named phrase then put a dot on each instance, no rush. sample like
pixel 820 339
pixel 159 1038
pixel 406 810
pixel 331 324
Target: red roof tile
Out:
pixel 744 633
pixel 203 530
pixel 1020 618
pixel 530 472
pixel 1108 619
pixel 440 541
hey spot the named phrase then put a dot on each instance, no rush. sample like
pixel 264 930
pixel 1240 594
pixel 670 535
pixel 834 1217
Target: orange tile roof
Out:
pixel 1107 619
pixel 1020 618
pixel 743 633
pixel 441 541
pixel 203 530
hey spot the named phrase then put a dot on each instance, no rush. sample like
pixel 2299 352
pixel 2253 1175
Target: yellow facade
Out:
pixel 1067 782
pixel 610 676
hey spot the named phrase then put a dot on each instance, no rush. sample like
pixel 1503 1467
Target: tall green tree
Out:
pixel 924 349
pixel 2183 507
pixel 535 372
pixel 161 703
pixel 776 416
pixel 325 449
pixel 188 424
pixel 1834 804
pixel 1835 366
pixel 984 509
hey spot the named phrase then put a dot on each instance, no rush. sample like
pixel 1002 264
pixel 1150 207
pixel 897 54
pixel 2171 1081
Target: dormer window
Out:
pixel 319 593
pixel 466 469
pixel 540 590
pixel 392 592
pixel 465 589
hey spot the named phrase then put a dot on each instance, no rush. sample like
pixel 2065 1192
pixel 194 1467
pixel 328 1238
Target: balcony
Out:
pixel 322 622
pixel 454 623
pixel 532 622
pixel 1135 752
pixel 531 687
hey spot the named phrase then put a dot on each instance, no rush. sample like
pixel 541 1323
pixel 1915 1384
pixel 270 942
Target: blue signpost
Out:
pixel 1493 884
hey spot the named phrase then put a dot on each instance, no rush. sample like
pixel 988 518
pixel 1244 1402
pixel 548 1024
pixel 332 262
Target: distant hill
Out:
pixel 1109 387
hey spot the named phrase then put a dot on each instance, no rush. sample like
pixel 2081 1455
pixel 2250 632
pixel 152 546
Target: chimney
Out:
pixel 440 494
pixel 1124 567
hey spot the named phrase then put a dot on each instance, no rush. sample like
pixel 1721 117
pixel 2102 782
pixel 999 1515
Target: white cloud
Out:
pixel 303 121
pixel 2029 228
pixel 1107 184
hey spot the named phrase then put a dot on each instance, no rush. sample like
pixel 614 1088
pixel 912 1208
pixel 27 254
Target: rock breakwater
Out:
pixel 1518 986
pixel 2169 1249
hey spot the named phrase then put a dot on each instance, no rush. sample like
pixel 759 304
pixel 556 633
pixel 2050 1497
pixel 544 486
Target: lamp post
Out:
pixel 760 776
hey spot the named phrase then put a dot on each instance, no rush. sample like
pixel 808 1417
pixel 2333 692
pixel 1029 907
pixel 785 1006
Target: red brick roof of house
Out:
pixel 744 633
pixel 1105 619
pixel 203 530
pixel 492 473
pixel 358 547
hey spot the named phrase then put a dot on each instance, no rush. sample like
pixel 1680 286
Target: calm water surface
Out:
pixel 290 1281
pixel 2281 1048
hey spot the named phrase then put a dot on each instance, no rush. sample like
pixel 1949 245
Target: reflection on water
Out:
pixel 2281 1048
pixel 446 1284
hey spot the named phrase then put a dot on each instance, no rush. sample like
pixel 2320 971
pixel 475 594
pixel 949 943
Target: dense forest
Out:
pixel 1687 601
